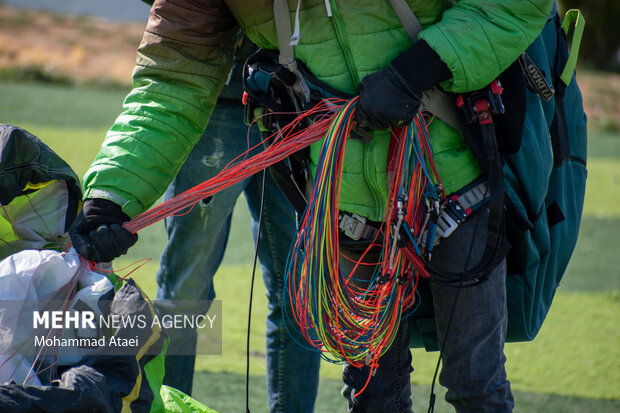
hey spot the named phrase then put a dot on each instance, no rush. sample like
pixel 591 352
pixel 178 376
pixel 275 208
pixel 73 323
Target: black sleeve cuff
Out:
pixel 421 67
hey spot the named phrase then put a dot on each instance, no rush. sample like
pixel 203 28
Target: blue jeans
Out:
pixel 196 244
pixel 473 363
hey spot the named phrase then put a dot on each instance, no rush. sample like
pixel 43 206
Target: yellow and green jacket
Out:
pixel 187 51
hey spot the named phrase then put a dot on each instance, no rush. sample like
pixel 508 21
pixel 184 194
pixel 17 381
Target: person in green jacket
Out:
pixel 355 47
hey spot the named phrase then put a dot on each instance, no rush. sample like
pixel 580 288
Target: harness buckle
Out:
pixel 480 105
pixel 354 226
pixel 446 225
pixel 451 217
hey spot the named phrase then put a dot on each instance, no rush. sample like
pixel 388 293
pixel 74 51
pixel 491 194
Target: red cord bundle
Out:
pixel 286 141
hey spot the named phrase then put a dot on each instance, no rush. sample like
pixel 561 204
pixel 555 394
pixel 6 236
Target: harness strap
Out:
pixel 408 18
pixel 473 197
pixel 434 100
pixel 495 246
pixel 284 31
pixel 440 105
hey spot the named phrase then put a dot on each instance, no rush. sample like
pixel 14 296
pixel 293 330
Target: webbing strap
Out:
pixel 407 18
pixel 495 248
pixel 572 16
pixel 284 31
pixel 473 196
pixel 442 106
pixel 355 227
pixel 433 100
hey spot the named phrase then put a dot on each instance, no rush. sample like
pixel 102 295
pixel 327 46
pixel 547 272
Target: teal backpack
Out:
pixel 544 187
pixel 545 181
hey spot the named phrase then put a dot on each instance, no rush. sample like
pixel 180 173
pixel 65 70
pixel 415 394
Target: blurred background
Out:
pixel 65 67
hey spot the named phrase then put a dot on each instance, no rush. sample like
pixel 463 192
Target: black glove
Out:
pixel 391 96
pixel 97 233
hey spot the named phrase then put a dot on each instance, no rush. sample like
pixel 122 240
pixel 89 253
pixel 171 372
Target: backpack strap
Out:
pixel 434 100
pixel 572 16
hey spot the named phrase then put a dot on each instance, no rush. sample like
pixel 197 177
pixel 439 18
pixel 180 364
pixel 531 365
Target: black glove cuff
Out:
pixel 420 67
pixel 97 233
pixel 108 211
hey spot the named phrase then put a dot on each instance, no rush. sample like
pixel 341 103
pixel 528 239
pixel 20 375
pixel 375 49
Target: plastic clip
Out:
pixel 450 218
pixel 480 105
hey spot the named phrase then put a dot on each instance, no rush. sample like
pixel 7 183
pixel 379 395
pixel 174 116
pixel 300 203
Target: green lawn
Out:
pixel 572 366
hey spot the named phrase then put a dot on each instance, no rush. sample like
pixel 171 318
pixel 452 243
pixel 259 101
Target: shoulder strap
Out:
pixel 434 100
pixel 284 31
pixel 282 17
pixel 408 18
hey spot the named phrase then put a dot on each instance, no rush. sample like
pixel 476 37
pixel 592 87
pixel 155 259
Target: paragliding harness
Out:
pixel 533 218
pixel 277 88
pixel 274 95
pixel 275 92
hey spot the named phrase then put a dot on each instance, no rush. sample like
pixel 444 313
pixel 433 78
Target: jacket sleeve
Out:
pixel 478 39
pixel 183 60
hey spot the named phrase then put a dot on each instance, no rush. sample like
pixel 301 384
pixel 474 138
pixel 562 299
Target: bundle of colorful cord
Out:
pixel 345 317
pixel 414 199
pixel 283 143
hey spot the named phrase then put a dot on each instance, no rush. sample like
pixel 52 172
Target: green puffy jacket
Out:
pixel 186 55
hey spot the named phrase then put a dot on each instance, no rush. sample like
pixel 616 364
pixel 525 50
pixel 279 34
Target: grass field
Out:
pixel 572 366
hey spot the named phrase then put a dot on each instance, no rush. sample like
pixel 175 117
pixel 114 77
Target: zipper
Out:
pixel 370 170
pixel 336 19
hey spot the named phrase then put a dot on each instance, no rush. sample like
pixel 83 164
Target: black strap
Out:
pixel 285 104
pixel 485 148
pixel 284 175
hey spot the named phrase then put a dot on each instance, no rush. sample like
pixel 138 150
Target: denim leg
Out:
pixel 197 240
pixel 292 370
pixel 473 359
pixel 389 389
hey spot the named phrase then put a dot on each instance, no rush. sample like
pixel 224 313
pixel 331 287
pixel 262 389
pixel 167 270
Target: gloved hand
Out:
pixel 97 233
pixel 386 100
pixel 391 96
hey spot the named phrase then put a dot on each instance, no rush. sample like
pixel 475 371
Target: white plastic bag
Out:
pixel 35 280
